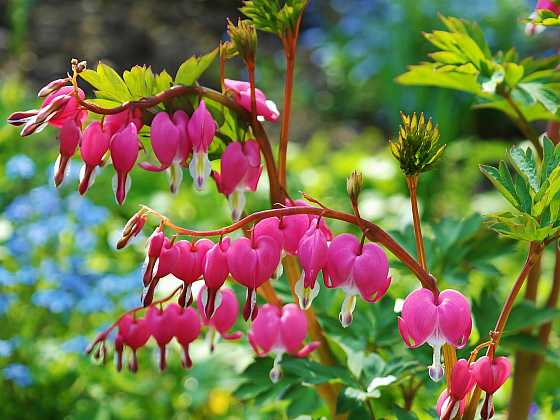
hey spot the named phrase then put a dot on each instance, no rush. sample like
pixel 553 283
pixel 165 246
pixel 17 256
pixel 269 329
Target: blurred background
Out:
pixel 61 279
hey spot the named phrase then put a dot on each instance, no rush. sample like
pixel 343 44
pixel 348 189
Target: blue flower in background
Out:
pixel 20 167
pixel 6 348
pixel 54 300
pixel 75 344
pixel 5 301
pixel 18 373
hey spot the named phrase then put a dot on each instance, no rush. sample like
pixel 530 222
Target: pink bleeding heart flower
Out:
pixel 280 330
pixel 71 108
pixel 190 265
pixel 171 145
pixel 166 262
pixel 436 320
pixel 313 253
pixel 550 5
pixel 187 329
pixel 116 122
pixel 224 316
pixel 70 136
pixel 124 152
pixel 359 269
pixel 95 143
pixel 240 172
pixel 490 374
pixel 55 110
pixel 313 218
pixel 162 326
pixel 287 231
pixel 266 110
pixel 215 272
pixel 452 401
pixel 133 333
pixel 201 130
pixel 252 262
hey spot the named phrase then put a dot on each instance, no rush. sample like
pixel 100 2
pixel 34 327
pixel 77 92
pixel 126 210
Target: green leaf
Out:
pixel 428 74
pixel 527 314
pixel 542 94
pixel 525 164
pixel 163 81
pixel 139 81
pixel 193 67
pixel 514 73
pixel 548 192
pixel 107 83
pixel 501 179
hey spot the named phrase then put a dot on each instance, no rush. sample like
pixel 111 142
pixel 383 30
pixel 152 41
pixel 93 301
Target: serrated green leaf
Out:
pixel 139 81
pixel 428 74
pixel 524 163
pixel 107 83
pixel 192 68
pixel 163 81
pixel 542 94
pixel 502 183
pixel 523 195
pixel 513 74
pixel 548 192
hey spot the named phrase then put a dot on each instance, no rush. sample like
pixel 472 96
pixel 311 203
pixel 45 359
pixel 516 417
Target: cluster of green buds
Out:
pixel 243 39
pixel 417 147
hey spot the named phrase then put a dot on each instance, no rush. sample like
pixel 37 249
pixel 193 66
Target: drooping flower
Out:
pixel 114 123
pixel 70 136
pixel 490 374
pixel 224 316
pixel 240 172
pixel 187 329
pixel 171 145
pixel 313 218
pixel 266 109
pixel 452 400
pixel 287 231
pixel 133 333
pixel 166 262
pixel 190 265
pixel 124 152
pixel 161 324
pixel 132 228
pixel 435 320
pixel 201 130
pixel 215 272
pixel 95 143
pixel 280 330
pixel 550 5
pixel 313 253
pixel 56 109
pixel 252 262
pixel 357 269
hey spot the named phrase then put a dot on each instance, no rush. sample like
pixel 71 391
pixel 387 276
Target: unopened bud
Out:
pixel 21 117
pixel 244 38
pixel 53 87
pixel 354 184
pixel 132 228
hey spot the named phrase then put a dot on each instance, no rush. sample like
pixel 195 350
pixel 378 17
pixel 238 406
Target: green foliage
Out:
pixel 534 192
pixel 273 16
pixel 192 68
pixel 464 62
pixel 545 17
pixel 417 148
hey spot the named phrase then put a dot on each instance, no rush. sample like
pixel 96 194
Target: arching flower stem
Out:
pixel 372 231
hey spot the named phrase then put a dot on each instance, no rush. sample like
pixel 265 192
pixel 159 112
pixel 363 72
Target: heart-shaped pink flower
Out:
pixel 95 143
pixel 124 152
pixel 357 269
pixel 215 272
pixel 437 320
pixel 224 316
pixel 251 262
pixel 190 265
